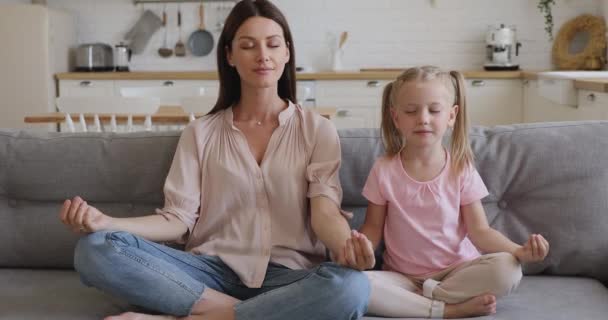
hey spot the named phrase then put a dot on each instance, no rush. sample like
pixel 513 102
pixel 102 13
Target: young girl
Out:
pixel 425 202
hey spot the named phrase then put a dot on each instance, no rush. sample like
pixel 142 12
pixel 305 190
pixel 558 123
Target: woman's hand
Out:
pixel 534 250
pixel 358 252
pixel 82 218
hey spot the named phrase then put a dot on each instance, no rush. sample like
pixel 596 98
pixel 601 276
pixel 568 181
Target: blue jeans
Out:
pixel 170 281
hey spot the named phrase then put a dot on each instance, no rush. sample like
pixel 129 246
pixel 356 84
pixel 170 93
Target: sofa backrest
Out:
pixel 548 178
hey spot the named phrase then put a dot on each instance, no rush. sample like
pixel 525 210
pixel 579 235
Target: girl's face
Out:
pixel 423 112
pixel 259 52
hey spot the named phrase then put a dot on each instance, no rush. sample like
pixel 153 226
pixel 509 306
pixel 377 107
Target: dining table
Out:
pixel 164 115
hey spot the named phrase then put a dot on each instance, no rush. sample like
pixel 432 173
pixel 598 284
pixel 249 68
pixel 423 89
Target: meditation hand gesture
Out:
pixel 358 252
pixel 80 217
pixel 534 250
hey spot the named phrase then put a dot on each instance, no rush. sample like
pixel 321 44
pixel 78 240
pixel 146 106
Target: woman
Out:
pixel 253 192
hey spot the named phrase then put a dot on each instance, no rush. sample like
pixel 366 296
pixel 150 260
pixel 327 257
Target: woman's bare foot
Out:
pixel 482 305
pixel 139 316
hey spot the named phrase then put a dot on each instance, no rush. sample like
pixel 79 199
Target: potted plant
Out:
pixel 545 8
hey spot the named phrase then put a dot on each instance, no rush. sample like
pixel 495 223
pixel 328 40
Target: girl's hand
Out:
pixel 82 218
pixel 534 250
pixel 359 252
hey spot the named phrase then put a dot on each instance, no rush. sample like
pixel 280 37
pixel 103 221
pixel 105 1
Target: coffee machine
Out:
pixel 502 48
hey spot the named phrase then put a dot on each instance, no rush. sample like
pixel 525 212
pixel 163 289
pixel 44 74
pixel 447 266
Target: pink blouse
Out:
pixel 249 214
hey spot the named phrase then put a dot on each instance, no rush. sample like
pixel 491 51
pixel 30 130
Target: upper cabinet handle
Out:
pixel 168 83
pixel 478 83
pixel 85 83
pixel 591 97
pixel 373 84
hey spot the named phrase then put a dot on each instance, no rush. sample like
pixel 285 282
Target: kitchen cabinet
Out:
pixel 86 88
pixel 540 109
pixel 590 105
pixel 494 101
pixel 170 92
pixel 357 102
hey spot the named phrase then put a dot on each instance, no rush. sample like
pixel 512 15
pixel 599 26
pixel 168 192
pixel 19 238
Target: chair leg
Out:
pixel 113 126
pixel 83 123
pixel 97 123
pixel 130 123
pixel 148 123
pixel 69 123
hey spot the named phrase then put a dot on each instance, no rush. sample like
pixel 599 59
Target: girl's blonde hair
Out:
pixel 460 149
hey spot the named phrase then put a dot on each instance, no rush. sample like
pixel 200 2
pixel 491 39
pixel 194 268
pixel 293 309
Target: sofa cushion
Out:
pixel 59 295
pixel 52 294
pixel 119 173
pixel 550 298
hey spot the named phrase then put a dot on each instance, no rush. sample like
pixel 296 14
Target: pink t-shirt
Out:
pixel 423 231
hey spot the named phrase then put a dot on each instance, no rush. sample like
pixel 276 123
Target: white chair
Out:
pixel 201 104
pixel 112 105
pixel 168 95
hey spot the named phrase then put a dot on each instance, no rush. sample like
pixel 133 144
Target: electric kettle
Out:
pixel 122 56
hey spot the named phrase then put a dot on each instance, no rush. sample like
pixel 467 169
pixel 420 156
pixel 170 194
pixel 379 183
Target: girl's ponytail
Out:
pixel 460 149
pixel 390 135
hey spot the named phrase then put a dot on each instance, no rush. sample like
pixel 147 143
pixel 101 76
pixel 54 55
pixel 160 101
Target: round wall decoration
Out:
pixel 580 40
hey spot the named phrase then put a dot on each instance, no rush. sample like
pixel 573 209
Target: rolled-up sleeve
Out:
pixel 323 169
pixel 183 185
pixel 372 190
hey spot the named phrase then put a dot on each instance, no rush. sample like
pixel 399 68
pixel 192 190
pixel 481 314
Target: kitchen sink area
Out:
pixel 561 86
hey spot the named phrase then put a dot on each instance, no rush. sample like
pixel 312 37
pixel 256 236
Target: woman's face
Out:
pixel 259 52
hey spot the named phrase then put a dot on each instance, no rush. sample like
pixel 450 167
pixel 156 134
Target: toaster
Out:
pixel 94 57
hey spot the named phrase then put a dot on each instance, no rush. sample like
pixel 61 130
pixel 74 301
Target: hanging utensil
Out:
pixel 165 51
pixel 180 48
pixel 343 38
pixel 200 41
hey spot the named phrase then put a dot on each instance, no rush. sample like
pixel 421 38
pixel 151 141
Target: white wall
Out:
pixel 383 33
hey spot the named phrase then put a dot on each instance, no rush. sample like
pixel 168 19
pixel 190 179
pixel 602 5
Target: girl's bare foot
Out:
pixel 139 316
pixel 482 305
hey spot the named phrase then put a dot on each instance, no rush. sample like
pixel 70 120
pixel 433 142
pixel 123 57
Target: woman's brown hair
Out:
pixel 460 149
pixel 230 81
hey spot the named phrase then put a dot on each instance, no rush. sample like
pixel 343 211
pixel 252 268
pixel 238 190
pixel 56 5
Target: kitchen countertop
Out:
pixel 600 85
pixel 596 84
pixel 367 74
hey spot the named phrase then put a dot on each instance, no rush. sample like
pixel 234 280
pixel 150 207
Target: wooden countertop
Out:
pixel 600 85
pixel 366 74
pixel 164 115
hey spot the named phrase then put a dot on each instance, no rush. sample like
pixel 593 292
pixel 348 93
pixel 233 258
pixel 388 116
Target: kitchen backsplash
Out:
pixel 382 33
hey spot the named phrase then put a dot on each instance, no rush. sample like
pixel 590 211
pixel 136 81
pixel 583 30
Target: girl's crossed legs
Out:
pixel 467 289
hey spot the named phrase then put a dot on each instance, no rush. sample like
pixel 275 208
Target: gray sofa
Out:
pixel 549 178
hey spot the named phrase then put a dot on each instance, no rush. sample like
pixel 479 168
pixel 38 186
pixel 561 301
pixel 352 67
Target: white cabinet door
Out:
pixel 592 105
pixel 494 101
pixel 357 102
pixel 86 88
pixel 357 117
pixel 540 109
pixel 170 92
